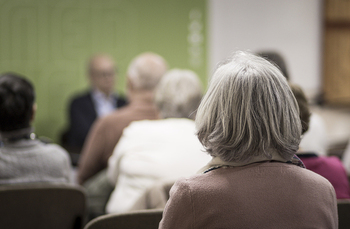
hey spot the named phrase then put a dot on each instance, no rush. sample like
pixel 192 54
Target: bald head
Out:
pixel 146 70
pixel 102 73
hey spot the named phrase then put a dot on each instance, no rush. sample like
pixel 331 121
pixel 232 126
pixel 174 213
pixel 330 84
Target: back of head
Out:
pixel 16 102
pixel 276 59
pixel 178 94
pixel 248 111
pixel 303 106
pixel 146 70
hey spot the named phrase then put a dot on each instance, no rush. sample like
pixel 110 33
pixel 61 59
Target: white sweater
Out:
pixel 149 151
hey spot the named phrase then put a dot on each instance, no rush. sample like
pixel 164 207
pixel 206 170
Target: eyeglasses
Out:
pixel 104 74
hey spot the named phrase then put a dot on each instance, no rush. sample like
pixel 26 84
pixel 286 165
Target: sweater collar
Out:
pixel 217 162
pixel 15 135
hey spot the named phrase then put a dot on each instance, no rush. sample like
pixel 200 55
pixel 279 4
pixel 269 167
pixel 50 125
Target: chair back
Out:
pixel 344 214
pixel 143 219
pixel 54 206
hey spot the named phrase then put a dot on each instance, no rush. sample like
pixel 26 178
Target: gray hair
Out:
pixel 249 110
pixel 178 94
pixel 146 70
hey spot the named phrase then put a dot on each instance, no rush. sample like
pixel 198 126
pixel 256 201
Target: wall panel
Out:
pixel 49 41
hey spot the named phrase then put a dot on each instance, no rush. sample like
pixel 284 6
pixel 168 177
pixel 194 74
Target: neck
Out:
pixel 16 134
pixel 141 96
pixel 105 94
pixel 216 161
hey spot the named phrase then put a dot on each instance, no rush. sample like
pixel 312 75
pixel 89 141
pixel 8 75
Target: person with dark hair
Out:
pixel 328 167
pixel 304 112
pixel 277 59
pixel 99 101
pixel 23 159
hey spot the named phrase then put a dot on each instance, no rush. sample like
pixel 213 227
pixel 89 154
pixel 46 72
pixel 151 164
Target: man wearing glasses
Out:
pixel 99 101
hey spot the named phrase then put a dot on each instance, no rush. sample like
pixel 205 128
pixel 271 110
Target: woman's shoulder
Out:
pixel 277 172
pixel 196 182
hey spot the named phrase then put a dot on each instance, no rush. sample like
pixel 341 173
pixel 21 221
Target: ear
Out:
pixel 91 80
pixel 129 84
pixel 33 112
pixel 129 89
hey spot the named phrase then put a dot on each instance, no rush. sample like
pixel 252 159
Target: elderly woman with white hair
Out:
pixel 153 150
pixel 248 121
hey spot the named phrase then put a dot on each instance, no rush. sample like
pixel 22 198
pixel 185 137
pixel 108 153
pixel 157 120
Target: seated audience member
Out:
pixel 97 102
pixel 23 159
pixel 249 122
pixel 143 75
pixel 153 150
pixel 316 137
pixel 328 167
pixel 277 59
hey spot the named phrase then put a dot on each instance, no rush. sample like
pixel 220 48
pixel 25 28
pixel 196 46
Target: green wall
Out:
pixel 49 41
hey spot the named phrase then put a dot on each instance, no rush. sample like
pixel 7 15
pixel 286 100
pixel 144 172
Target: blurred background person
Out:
pixel 329 167
pixel 99 101
pixel 143 75
pixel 315 139
pixel 23 158
pixel 154 150
pixel 277 59
pixel 249 122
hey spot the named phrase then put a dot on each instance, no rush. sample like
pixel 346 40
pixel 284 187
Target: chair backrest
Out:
pixel 344 214
pixel 155 197
pixel 143 219
pixel 166 188
pixel 54 206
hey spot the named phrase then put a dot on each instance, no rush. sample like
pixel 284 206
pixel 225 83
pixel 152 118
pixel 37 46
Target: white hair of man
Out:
pixel 146 70
pixel 249 110
pixel 178 94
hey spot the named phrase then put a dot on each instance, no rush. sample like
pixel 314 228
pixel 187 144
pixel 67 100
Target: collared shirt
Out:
pixel 103 105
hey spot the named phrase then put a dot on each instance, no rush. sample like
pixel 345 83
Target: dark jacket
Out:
pixel 82 114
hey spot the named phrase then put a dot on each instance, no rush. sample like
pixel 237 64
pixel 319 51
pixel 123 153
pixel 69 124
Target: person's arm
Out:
pixel 179 212
pixel 63 161
pixel 91 155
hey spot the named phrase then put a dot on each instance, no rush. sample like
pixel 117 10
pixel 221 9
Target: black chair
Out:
pixel 144 219
pixel 344 214
pixel 54 206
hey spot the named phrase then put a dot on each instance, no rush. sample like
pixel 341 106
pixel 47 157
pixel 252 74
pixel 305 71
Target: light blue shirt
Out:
pixel 103 105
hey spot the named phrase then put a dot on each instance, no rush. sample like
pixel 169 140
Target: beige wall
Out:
pixel 291 27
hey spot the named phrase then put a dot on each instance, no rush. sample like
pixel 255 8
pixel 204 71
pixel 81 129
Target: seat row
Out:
pixel 62 206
